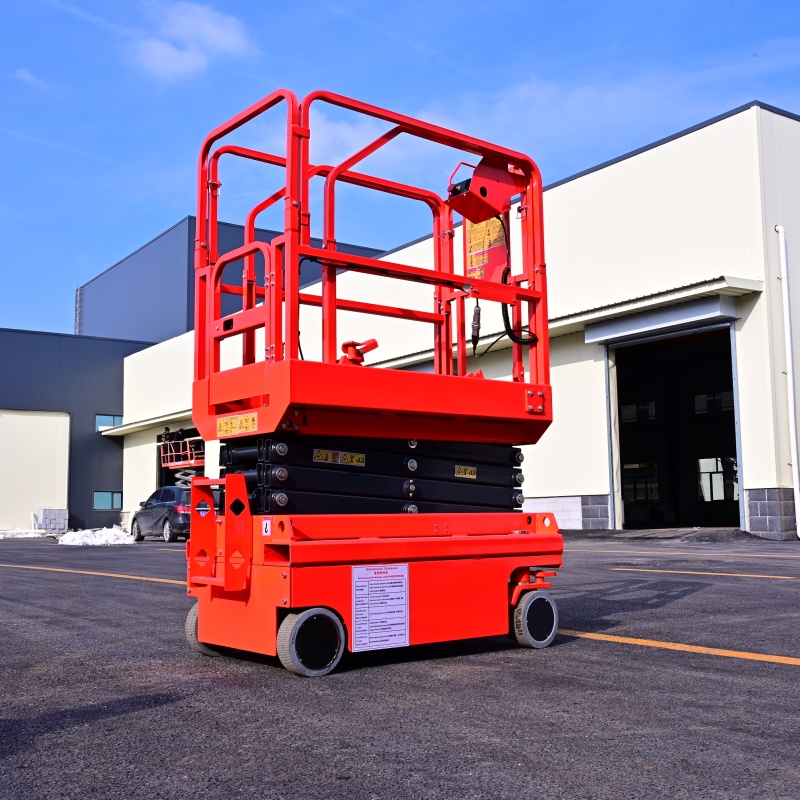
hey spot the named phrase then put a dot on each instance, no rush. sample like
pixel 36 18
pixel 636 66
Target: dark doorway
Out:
pixel 169 475
pixel 677 432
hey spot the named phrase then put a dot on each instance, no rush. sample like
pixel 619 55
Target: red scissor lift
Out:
pixel 292 579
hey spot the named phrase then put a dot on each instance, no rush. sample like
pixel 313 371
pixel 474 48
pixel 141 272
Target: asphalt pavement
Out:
pixel 691 689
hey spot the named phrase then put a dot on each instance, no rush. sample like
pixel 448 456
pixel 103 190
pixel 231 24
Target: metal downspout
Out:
pixel 612 500
pixel 790 390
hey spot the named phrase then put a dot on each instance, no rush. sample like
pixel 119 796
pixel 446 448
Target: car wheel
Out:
pixel 169 534
pixel 136 531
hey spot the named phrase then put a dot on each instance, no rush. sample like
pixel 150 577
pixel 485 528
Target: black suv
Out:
pixel 165 513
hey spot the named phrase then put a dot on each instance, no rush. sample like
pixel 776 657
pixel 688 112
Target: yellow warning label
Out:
pixel 240 423
pixel 482 237
pixel 338 457
pixel 466 472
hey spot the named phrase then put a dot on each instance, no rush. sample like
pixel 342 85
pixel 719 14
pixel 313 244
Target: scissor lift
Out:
pixel 362 507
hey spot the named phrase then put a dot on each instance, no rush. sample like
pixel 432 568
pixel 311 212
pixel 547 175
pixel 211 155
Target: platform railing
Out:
pixel 275 305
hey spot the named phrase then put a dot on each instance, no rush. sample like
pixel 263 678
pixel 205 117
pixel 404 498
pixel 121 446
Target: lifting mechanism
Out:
pixel 355 502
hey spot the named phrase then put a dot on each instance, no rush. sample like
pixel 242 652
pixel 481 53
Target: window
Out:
pixel 640 482
pixel 107 501
pixel 717 479
pixel 714 402
pixel 103 422
pixel 637 412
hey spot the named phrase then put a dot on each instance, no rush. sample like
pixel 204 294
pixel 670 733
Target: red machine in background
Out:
pixel 365 507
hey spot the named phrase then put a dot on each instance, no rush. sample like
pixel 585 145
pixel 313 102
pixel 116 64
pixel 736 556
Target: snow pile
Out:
pixel 21 534
pixel 103 536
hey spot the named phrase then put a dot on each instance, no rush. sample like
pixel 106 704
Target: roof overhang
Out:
pixel 153 422
pixel 725 286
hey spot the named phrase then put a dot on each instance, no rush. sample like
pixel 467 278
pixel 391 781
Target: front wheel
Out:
pixel 136 531
pixel 535 620
pixel 311 642
pixel 169 534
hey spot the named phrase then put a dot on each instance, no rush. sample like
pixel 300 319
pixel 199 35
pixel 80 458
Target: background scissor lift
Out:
pixel 304 573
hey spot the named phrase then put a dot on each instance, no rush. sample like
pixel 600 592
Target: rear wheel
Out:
pixel 191 635
pixel 136 531
pixel 169 534
pixel 535 620
pixel 311 642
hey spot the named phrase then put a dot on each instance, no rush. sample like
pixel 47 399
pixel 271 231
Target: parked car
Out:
pixel 165 513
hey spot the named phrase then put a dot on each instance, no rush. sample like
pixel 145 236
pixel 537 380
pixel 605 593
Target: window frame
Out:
pixel 114 493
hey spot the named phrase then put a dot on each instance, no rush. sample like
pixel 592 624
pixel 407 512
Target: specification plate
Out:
pixel 380 607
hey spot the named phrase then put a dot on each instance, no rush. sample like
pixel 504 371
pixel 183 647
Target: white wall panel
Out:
pixel 765 431
pixel 572 456
pixel 675 215
pixel 34 464
pixel 140 468
pixel 158 380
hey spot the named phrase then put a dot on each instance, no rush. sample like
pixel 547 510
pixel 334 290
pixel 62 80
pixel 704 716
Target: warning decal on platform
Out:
pixel 486 248
pixel 241 423
pixel 466 472
pixel 338 457
pixel 380 607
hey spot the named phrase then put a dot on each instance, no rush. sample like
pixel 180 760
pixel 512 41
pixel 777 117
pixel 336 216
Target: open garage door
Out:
pixel 677 432
pixel 34 464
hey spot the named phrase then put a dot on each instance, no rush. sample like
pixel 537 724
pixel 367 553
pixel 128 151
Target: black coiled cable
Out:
pixel 525 340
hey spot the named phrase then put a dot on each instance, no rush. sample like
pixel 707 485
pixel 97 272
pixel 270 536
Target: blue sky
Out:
pixel 104 105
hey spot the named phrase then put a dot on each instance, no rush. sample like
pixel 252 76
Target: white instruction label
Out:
pixel 380 607
pixel 266 526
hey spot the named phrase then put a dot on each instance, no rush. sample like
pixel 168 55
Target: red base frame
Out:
pixel 249 571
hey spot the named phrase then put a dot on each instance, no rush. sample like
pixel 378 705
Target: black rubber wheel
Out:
pixel 535 620
pixel 136 531
pixel 191 635
pixel 169 534
pixel 311 642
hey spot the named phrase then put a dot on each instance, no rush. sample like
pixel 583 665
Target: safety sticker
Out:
pixel 466 472
pixel 380 607
pixel 266 526
pixel 486 248
pixel 338 457
pixel 240 423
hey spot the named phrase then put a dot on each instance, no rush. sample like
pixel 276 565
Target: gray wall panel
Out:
pixel 149 295
pixel 143 297
pixel 82 376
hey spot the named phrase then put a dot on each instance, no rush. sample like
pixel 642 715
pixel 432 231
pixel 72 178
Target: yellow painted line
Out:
pixel 101 574
pixel 685 648
pixel 690 572
pixel 741 556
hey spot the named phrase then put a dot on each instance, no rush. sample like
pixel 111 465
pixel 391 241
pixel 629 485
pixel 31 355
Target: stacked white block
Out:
pixel 53 520
pixel 566 510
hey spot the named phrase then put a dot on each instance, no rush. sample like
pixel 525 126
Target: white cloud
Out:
pixel 165 60
pixel 194 24
pixel 51 143
pixel 24 75
pixel 186 37
pixel 181 40
pixel 572 125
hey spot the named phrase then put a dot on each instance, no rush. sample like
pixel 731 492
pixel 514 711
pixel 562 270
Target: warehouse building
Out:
pixel 668 363
pixel 669 366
